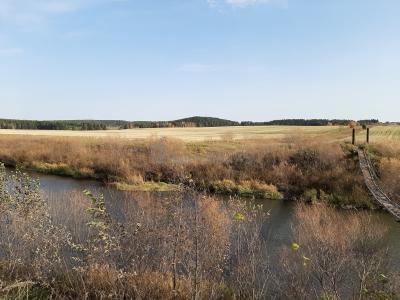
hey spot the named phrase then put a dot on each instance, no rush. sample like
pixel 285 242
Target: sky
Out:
pixel 243 60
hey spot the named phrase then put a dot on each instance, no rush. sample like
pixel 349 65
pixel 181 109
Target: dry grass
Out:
pixel 293 159
pixel 381 137
pixel 196 133
pixel 386 133
pixel 386 156
pixel 292 165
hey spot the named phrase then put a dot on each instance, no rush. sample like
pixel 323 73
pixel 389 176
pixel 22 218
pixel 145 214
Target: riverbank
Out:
pixel 293 167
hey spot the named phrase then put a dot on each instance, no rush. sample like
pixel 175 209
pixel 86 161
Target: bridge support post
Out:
pixel 353 140
pixel 368 135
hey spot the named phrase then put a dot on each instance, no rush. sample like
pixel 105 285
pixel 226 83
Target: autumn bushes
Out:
pixel 254 168
pixel 183 246
pixel 337 256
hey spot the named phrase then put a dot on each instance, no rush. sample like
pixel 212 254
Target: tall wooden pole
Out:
pixel 368 135
pixel 353 140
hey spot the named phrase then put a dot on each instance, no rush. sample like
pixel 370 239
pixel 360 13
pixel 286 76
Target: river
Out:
pixel 276 228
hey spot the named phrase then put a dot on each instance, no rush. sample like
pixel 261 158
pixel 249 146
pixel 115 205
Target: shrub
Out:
pixel 337 256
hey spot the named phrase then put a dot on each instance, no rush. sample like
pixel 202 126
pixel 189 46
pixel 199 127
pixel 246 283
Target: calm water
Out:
pixel 276 228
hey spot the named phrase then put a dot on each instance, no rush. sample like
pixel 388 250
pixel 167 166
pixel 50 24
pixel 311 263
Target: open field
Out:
pixel 381 133
pixel 262 168
pixel 197 133
pixel 253 161
pixel 193 134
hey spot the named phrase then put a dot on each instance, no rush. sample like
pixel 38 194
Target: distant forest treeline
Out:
pixel 187 122
pixel 310 122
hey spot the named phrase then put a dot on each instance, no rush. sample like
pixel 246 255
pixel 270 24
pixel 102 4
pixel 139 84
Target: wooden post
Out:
pixel 368 135
pixel 353 140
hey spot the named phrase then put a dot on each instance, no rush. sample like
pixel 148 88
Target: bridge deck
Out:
pixel 372 183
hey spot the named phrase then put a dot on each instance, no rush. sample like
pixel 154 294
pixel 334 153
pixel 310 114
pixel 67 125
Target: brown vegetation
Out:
pixel 254 168
pixel 386 157
pixel 179 248
pixel 336 256
pixel 186 246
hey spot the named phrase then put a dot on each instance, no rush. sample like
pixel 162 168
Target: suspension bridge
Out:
pixel 373 184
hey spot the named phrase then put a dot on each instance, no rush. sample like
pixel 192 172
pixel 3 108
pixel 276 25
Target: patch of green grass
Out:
pixel 147 186
pixel 356 199
pixel 246 189
pixel 60 169
pixel 373 152
pixel 53 168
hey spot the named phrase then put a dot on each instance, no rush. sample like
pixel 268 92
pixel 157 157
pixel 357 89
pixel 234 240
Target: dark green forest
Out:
pixel 186 122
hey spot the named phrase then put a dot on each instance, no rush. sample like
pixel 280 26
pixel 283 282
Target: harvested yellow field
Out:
pixel 196 133
pixel 193 134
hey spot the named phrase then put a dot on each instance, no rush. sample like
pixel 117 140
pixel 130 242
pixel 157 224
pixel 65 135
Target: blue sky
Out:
pixel 166 59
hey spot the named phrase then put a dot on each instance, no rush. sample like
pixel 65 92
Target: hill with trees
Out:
pixel 204 122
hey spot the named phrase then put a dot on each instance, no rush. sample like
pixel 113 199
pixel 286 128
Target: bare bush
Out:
pixel 335 256
pixel 30 243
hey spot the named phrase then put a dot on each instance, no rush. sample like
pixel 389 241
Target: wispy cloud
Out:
pixel 11 51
